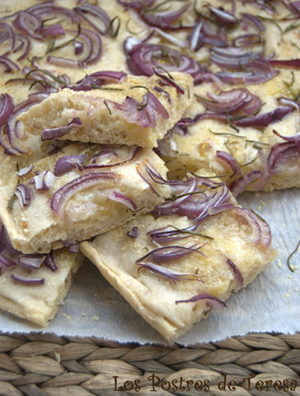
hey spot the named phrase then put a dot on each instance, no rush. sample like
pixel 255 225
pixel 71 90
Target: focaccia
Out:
pixel 33 287
pixel 174 268
pixel 249 151
pixel 78 193
pixel 138 111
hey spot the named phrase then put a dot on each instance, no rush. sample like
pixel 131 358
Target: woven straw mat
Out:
pixel 48 365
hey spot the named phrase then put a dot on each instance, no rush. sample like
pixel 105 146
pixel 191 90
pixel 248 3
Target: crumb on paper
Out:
pixel 296 289
pixel 279 264
pixel 289 276
pixel 69 317
pixel 287 295
pixel 95 317
pixel 83 314
pixel 261 204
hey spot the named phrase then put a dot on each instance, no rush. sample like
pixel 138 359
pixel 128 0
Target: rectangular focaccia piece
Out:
pixel 138 111
pixel 78 193
pixel 36 295
pixel 250 151
pixel 173 269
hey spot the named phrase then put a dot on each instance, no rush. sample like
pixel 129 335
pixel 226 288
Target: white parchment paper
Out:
pixel 270 304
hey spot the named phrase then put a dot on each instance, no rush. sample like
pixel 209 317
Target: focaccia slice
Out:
pixel 36 294
pixel 78 193
pixel 248 136
pixel 174 268
pixel 138 111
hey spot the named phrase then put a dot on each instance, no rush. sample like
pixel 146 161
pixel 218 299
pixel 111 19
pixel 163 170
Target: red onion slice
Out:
pixel 78 47
pixel 5 27
pixel 65 193
pixel 50 261
pixel 6 262
pixel 169 274
pixel 263 120
pixel 224 18
pixel 9 65
pixel 29 24
pixel 6 108
pixel 246 40
pixel 97 79
pixel 144 57
pixel 226 157
pixel 23 194
pixel 235 101
pixel 44 180
pixel 24 41
pixel 281 156
pixel 236 272
pixel 26 280
pixel 164 20
pixel 68 162
pixel 196 39
pixel 134 150
pixel 138 5
pixel 255 21
pixel 144 114
pixel 121 198
pixel 293 138
pixel 49 10
pixel 208 298
pixel 239 185
pixel 261 233
pixel 170 82
pixel 290 63
pixel 31 261
pixel 133 233
pixel 246 77
pixel 55 133
pixel 54 30
pixel 172 206
pixel 169 254
pixel 168 234
pixel 95 16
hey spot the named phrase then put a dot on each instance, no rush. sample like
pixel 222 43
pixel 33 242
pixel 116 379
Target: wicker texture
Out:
pixel 47 365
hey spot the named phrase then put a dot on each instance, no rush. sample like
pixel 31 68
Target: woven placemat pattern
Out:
pixel 48 365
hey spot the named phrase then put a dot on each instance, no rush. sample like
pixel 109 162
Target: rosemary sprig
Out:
pixel 166 71
pixel 249 163
pixel 62 45
pixel 292 26
pixel 289 86
pixel 271 21
pixel 47 72
pixel 227 134
pixel 108 108
pixel 257 142
pixel 141 106
pixel 295 45
pixel 186 231
pixel 11 202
